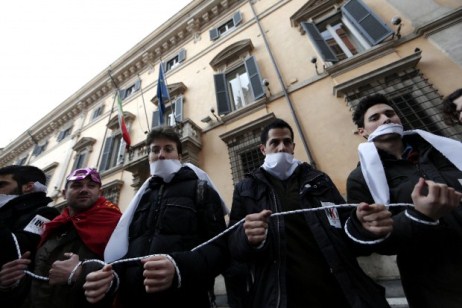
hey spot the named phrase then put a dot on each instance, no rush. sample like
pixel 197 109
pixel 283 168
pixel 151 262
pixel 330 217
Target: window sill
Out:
pixel 360 59
pixel 237 114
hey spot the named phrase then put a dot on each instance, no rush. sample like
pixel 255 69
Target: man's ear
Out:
pixel 64 193
pixel 28 187
pixel 362 132
pixel 293 148
pixel 262 149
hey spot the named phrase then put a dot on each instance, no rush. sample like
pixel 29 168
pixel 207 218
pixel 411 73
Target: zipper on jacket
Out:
pixel 152 220
pixel 278 238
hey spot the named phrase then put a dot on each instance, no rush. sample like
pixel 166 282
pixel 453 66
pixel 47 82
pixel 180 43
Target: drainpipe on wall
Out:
pixel 281 81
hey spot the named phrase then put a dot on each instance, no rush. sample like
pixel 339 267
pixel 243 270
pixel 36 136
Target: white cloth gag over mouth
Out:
pixel 117 246
pixel 280 165
pixel 165 168
pixel 372 168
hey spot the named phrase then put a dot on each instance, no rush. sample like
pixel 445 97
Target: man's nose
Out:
pixel 161 154
pixel 386 120
pixel 281 147
pixel 84 188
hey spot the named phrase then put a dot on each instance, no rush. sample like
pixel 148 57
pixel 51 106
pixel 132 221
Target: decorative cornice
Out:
pixel 442 22
pixel 311 10
pixel 230 53
pixel 114 122
pixel 84 143
pixel 195 17
pixel 406 62
pixel 174 89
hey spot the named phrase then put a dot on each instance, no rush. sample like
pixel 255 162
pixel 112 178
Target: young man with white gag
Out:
pixel 410 167
pixel 173 212
pixel 23 213
pixel 301 259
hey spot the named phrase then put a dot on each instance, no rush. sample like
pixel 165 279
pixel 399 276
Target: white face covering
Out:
pixel 390 128
pixel 165 168
pixel 4 199
pixel 280 165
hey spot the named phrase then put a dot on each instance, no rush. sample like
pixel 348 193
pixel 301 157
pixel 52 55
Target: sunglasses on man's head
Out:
pixel 80 174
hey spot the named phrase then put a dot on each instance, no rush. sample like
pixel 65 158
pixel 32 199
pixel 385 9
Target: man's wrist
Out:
pixel 75 273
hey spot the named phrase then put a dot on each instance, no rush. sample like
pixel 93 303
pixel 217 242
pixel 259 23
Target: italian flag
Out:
pixel 123 127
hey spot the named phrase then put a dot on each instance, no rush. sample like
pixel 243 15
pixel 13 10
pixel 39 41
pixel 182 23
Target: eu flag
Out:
pixel 162 93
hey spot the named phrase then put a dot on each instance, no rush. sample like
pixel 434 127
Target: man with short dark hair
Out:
pixel 302 259
pixel 79 233
pixel 416 167
pixel 23 213
pixel 172 213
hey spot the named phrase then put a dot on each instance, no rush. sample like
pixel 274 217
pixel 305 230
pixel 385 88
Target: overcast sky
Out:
pixel 51 48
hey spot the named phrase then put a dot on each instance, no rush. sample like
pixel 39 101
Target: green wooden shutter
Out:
pixel 221 91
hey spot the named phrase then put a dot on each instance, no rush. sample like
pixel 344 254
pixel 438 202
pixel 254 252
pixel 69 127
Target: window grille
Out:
pixel 111 191
pixel 244 153
pixel 414 99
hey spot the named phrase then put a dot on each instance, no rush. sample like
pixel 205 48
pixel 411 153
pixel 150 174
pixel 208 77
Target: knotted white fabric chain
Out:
pixel 205 243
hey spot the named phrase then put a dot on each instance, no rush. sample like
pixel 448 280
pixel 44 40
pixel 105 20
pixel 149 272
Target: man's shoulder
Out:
pixel 355 173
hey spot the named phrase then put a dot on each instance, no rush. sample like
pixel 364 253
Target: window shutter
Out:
pixel 321 46
pixel 178 109
pixel 237 18
pixel 221 91
pixel 60 135
pixel 214 34
pixel 123 93
pixel 44 146
pixel 105 158
pixel 21 161
pixel 254 76
pixel 366 22
pixel 36 149
pixel 155 119
pixel 137 85
pixel 121 151
pixel 79 160
pixel 181 55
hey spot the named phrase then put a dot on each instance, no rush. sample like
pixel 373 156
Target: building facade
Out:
pixel 232 66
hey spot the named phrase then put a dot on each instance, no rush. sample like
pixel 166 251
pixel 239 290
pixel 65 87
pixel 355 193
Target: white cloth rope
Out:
pixel 206 242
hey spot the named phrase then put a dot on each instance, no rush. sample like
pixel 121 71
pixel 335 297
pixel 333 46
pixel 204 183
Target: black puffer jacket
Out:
pixel 170 218
pixel 255 194
pixel 15 216
pixel 429 257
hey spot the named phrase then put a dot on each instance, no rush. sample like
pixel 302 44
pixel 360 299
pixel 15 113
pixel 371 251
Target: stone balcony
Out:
pixel 136 160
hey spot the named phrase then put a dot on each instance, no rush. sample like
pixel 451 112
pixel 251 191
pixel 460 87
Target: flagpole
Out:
pixel 144 104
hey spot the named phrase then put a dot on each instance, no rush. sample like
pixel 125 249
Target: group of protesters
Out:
pixel 292 237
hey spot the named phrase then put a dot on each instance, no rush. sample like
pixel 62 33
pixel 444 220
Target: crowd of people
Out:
pixel 290 241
